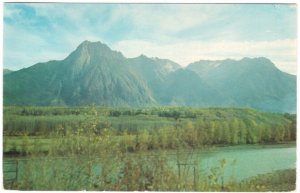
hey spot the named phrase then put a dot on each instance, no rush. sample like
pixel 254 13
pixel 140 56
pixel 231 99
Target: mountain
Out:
pixel 7 71
pixel 255 83
pixel 154 71
pixel 95 74
pixel 184 87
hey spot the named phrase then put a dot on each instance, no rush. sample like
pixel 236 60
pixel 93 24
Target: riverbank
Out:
pixel 16 146
pixel 238 168
pixel 277 181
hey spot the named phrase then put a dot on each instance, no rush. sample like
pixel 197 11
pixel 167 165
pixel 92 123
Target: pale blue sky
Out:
pixel 181 32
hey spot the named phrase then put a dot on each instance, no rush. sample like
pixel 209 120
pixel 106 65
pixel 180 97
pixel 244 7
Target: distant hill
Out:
pixel 154 72
pixel 255 83
pixel 95 74
pixel 184 87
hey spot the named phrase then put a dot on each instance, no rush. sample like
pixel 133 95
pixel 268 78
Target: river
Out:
pixel 242 161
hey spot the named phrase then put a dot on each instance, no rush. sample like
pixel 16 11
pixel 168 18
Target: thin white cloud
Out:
pixel 23 49
pixel 185 17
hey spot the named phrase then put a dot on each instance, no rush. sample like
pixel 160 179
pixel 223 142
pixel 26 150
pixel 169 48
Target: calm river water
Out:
pixel 250 160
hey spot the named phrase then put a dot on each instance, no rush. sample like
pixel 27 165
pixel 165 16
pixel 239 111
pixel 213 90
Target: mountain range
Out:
pixel 95 74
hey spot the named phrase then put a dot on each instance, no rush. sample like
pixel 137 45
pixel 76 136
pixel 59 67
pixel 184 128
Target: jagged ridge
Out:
pixel 95 74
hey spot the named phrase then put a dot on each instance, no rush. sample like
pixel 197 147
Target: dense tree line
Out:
pixel 187 127
pixel 199 134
